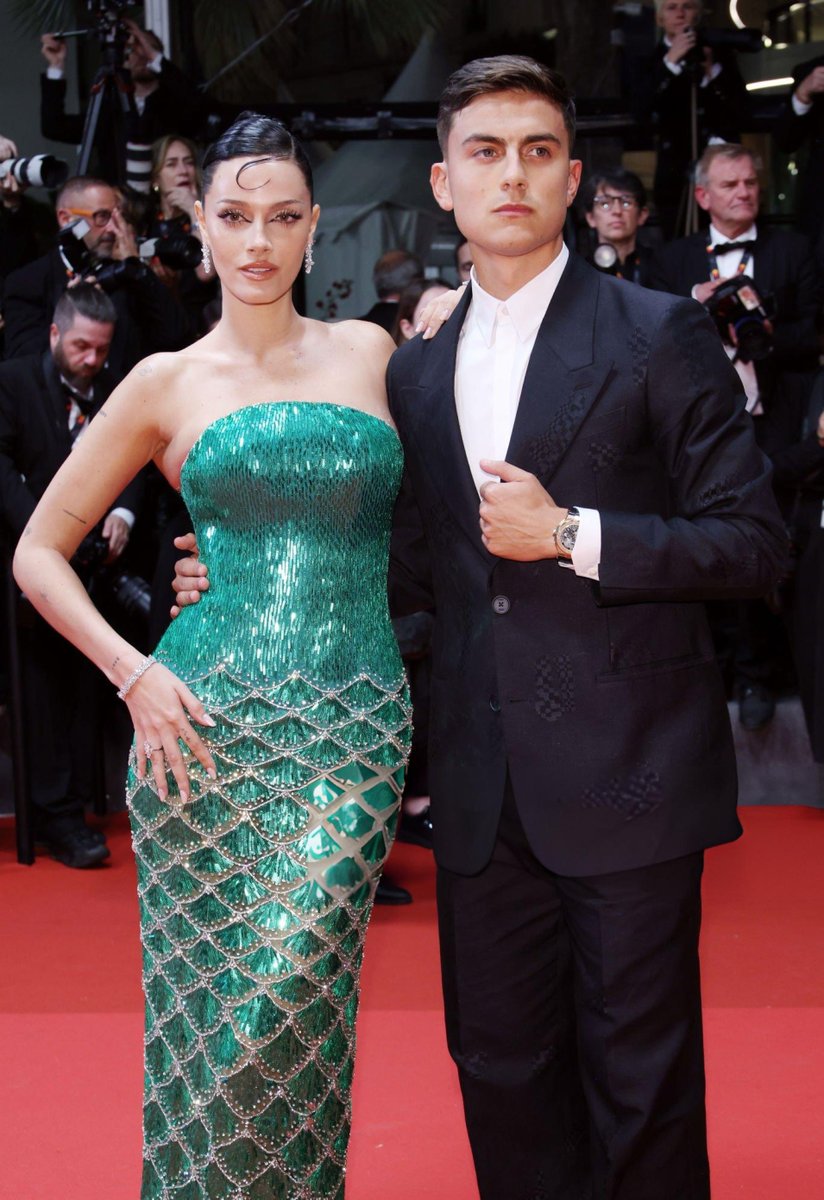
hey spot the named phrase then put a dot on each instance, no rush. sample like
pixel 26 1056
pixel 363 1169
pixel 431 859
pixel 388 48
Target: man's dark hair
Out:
pixel 394 271
pixel 260 138
pixel 626 182
pixel 84 300
pixel 503 73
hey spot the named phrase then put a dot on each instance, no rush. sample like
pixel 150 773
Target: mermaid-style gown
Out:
pixel 255 894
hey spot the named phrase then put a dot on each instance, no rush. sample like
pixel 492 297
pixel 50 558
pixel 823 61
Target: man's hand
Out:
pixel 191 577
pixel 517 515
pixel 140 40
pixel 116 532
pixel 182 198
pixel 53 50
pixel 125 245
pixel 682 43
pixel 811 86
pixel 7 148
pixel 702 291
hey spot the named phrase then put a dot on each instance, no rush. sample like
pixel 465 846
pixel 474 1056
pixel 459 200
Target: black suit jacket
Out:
pixel 791 132
pixel 34 437
pixel 784 268
pixel 603 701
pixel 149 318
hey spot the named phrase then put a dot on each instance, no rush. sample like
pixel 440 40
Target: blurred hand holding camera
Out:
pixel 811 86
pixel 53 50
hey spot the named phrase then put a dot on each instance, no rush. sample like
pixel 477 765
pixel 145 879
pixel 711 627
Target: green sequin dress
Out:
pixel 255 894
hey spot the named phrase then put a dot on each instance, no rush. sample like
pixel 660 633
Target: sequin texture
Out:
pixel 255 894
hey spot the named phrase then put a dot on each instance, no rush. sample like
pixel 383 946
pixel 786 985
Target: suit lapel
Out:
pixel 437 431
pixel 562 380
pixel 56 404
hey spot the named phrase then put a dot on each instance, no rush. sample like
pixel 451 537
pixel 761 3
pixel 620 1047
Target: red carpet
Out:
pixel 70 1028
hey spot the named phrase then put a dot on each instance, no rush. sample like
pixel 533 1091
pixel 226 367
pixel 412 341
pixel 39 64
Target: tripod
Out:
pixel 112 81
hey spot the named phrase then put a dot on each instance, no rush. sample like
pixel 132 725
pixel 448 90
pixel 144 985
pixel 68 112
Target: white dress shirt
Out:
pixel 494 347
pixel 678 68
pixel 728 265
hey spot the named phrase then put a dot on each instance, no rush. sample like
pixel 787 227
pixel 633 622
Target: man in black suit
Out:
pixel 580 751
pixel 149 316
pixel 802 121
pixel 781 266
pixel 45 403
pixel 682 68
pixel 580 755
pixel 393 272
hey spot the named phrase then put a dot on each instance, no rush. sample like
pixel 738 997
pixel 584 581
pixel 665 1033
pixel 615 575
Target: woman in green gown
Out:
pixel 272 725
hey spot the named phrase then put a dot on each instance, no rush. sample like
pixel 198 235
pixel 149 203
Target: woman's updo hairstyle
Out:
pixel 261 139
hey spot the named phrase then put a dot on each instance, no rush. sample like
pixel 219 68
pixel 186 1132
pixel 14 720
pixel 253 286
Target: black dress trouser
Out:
pixel 573 1013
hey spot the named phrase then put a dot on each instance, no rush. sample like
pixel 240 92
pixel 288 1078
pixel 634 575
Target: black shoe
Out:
pixel 391 893
pixel 416 829
pixel 78 846
pixel 756 706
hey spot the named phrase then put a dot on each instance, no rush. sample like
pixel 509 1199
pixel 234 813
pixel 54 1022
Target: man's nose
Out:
pixel 513 170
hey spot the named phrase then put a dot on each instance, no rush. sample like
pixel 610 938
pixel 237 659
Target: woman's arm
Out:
pixel 122 438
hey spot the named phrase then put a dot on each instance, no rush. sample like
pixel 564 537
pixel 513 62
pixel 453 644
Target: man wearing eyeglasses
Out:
pixel 149 316
pixel 615 207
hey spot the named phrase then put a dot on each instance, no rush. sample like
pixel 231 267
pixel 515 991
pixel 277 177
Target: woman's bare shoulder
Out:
pixel 363 336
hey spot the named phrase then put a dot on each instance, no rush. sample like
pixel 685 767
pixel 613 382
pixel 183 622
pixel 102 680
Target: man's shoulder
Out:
pixel 643 304
pixel 21 378
pixel 31 275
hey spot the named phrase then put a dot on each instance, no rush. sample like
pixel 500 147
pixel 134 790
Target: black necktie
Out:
pixel 728 247
pixel 84 403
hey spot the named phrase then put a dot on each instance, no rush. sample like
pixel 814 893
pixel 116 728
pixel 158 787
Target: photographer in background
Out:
pixel 46 401
pixel 175 185
pixel 802 121
pixel 163 99
pixel 775 275
pixel 615 207
pixel 27 226
pixel 684 64
pixel 149 317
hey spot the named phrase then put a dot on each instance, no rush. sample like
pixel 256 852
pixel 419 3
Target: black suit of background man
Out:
pixel 61 687
pixel 587 722
pixel 149 318
pixel 791 133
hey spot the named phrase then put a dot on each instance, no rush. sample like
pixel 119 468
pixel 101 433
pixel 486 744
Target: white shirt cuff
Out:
pixel 156 64
pixel 799 107
pixel 715 71
pixel 676 68
pixel 125 514
pixel 55 73
pixel 586 554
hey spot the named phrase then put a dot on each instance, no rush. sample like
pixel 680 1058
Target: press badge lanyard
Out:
pixel 746 259
pixel 633 274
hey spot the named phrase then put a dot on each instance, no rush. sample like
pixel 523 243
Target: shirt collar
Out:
pixel 526 307
pixel 717 238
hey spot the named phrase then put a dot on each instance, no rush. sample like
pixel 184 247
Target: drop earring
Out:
pixel 206 260
pixel 309 257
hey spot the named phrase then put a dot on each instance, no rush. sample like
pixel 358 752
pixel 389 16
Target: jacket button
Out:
pixel 501 605
pixel 494 704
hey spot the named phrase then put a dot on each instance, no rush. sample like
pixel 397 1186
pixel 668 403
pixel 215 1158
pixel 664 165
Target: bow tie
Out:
pixel 84 403
pixel 727 247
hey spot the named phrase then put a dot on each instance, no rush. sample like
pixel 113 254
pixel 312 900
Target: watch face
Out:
pixel 568 535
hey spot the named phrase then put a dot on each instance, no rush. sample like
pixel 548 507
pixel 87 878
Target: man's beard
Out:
pixel 81 381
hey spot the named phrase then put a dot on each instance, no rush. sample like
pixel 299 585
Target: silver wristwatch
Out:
pixel 565 533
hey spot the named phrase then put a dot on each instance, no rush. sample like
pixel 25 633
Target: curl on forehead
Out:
pixel 257 140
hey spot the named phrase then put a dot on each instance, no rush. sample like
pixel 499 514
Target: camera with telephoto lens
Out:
pixel 131 594
pixel 736 304
pixel 41 170
pixel 176 250
pixel 110 273
pixel 750 41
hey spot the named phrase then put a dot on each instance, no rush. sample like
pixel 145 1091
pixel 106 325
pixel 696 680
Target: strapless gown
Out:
pixel 255 894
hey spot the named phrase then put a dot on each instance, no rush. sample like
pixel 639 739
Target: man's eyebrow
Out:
pixel 489 138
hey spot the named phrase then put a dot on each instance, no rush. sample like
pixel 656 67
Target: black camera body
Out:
pixel 130 594
pixel 736 303
pixel 110 273
pixel 173 247
pixel 748 41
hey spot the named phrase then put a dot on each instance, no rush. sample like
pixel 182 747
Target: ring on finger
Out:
pixel 149 749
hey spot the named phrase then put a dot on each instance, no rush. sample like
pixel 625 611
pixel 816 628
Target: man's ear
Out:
pixel 573 179
pixel 703 197
pixel 439 182
pixel 643 216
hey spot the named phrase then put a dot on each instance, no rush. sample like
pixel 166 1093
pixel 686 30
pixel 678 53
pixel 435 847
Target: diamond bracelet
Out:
pixel 141 669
